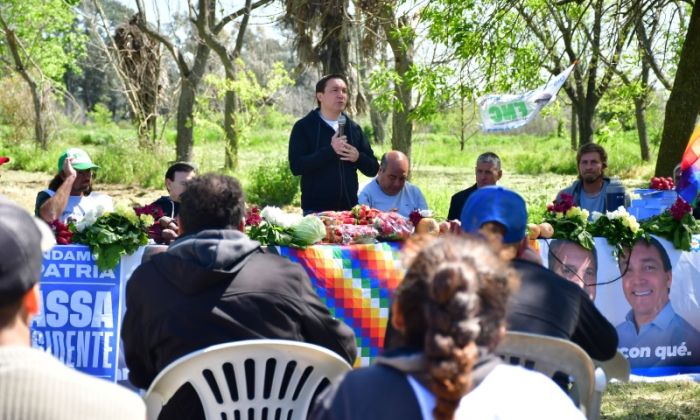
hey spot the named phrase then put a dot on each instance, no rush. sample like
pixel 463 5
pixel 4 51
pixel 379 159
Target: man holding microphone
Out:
pixel 326 149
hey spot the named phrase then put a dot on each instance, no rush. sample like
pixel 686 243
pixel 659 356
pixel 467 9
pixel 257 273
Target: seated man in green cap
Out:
pixel 70 195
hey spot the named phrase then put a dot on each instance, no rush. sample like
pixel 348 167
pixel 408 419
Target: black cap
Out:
pixel 21 245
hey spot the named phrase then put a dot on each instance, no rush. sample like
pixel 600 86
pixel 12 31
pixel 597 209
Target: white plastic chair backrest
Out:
pixel 616 368
pixel 274 379
pixel 549 355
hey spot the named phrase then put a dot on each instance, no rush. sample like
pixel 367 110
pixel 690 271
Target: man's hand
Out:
pixel 349 153
pixel 68 169
pixel 338 143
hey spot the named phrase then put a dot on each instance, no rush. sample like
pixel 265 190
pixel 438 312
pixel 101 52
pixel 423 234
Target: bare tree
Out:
pixel 140 61
pixel 190 77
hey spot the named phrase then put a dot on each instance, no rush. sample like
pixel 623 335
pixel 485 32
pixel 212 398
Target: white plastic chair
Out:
pixel 617 368
pixel 549 355
pixel 276 379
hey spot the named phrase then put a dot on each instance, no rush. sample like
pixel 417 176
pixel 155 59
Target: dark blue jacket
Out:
pixel 327 183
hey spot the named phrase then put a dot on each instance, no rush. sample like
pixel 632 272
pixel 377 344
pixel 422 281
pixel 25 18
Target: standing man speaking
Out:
pixel 327 148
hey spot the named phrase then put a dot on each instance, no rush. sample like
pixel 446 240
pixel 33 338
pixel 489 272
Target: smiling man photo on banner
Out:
pixel 652 334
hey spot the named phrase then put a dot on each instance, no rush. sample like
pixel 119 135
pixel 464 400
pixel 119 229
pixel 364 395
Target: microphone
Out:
pixel 342 120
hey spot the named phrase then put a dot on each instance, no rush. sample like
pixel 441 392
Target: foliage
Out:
pixel 16 108
pixel 431 83
pixel 45 30
pixel 252 96
pixel 122 160
pixel 101 115
pixel 620 229
pixel 273 226
pixel 569 222
pixel 676 224
pixel 111 235
pixel 272 184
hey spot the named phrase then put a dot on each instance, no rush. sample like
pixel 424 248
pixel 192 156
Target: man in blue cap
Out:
pixel 70 195
pixel 546 303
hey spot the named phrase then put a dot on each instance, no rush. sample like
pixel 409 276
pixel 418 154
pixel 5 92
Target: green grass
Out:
pixel 535 166
pixel 657 400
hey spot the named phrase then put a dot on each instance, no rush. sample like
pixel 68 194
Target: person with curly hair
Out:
pixel 215 285
pixel 450 309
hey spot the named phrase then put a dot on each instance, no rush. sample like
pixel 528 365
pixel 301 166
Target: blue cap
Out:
pixel 496 204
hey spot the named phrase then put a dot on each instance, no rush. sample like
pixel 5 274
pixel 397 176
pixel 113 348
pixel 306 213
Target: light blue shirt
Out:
pixel 407 200
pixel 593 202
pixel 668 340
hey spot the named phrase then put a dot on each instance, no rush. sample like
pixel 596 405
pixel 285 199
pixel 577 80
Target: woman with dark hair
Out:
pixel 450 309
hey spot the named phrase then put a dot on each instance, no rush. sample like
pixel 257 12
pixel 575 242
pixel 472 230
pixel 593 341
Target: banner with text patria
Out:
pixel 81 311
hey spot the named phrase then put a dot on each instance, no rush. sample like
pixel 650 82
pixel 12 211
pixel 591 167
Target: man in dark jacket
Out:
pixel 546 303
pixel 215 285
pixel 327 148
pixel 175 177
pixel 487 172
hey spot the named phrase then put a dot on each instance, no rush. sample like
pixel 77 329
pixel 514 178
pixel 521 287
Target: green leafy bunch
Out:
pixel 569 222
pixel 271 234
pixel 619 228
pixel 676 224
pixel 113 235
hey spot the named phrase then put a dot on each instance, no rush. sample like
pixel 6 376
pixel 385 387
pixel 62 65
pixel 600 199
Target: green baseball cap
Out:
pixel 81 160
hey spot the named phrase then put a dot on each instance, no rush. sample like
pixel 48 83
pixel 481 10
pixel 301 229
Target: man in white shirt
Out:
pixel 390 190
pixel 70 195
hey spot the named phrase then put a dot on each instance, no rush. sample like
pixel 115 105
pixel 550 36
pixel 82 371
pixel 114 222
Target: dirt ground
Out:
pixel 22 187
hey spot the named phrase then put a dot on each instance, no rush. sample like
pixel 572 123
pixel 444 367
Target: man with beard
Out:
pixel 70 195
pixel 589 191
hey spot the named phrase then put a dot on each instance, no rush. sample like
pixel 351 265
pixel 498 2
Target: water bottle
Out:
pixel 615 196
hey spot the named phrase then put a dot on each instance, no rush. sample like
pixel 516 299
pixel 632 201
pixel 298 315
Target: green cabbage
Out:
pixel 309 230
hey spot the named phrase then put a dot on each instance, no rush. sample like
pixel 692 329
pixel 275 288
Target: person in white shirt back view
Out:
pixel 34 384
pixel 450 308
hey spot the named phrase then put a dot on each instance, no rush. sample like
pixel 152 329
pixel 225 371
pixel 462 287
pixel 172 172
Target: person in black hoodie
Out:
pixel 546 303
pixel 215 285
pixel 328 159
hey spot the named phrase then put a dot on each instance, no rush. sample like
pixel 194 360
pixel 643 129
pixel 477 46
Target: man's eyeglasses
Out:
pixel 85 172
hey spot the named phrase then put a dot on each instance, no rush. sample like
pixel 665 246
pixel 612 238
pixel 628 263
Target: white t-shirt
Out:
pixel 508 392
pixel 77 206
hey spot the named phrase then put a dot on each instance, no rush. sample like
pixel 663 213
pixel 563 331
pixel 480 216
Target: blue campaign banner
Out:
pixel 652 298
pixel 80 311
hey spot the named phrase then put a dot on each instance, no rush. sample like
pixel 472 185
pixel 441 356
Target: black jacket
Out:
pixel 548 304
pixel 327 183
pixel 457 203
pixel 219 286
pixel 170 208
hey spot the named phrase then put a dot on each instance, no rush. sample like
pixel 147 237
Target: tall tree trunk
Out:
pixel 585 122
pixel 378 120
pixel 684 102
pixel 38 100
pixel 230 129
pixel 333 52
pixel 574 128
pixel 402 47
pixel 38 96
pixel 639 114
pixel 184 142
pixel 402 127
